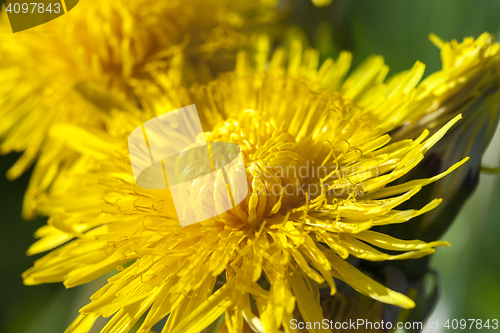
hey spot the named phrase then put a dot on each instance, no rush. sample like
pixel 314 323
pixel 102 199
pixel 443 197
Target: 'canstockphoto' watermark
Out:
pixel 26 14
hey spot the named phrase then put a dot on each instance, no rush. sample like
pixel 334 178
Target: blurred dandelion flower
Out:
pixel 274 251
pixel 468 84
pixel 111 45
pixel 322 3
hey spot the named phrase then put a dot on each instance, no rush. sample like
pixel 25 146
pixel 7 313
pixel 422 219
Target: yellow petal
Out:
pixel 207 312
pixel 307 294
pixel 362 283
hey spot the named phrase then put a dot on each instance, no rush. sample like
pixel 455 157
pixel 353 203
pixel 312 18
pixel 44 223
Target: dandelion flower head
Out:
pixel 273 252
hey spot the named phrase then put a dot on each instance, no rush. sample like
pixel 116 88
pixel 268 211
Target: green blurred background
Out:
pixel 470 269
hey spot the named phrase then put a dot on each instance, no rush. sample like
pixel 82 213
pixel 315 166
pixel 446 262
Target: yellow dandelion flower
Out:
pixel 274 251
pixel 468 84
pixel 322 3
pixel 111 45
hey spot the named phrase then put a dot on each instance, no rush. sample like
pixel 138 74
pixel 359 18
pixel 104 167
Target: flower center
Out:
pixel 275 164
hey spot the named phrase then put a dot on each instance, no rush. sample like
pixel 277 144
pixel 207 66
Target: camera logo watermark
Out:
pixel 204 179
pixel 26 14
